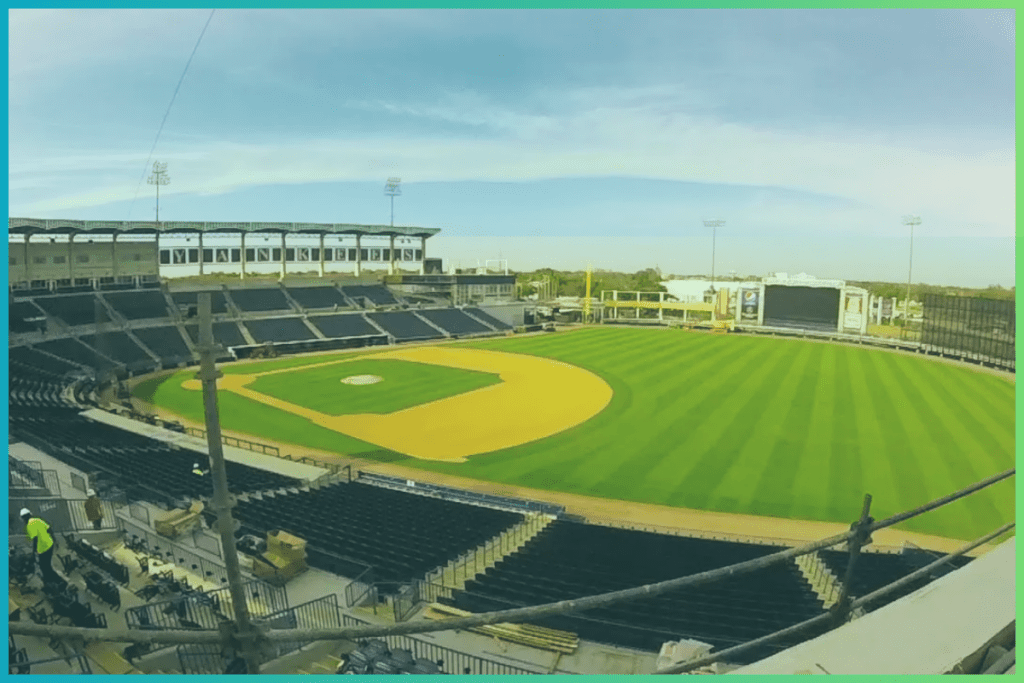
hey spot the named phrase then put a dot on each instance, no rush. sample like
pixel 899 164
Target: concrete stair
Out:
pixel 820 578
pixel 455 574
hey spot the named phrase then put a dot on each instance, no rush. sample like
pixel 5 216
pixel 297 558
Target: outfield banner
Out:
pixel 748 310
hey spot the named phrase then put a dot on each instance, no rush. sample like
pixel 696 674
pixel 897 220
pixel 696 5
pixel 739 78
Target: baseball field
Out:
pixel 727 423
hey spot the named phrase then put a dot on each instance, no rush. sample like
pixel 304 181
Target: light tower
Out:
pixel 393 189
pixel 159 178
pixel 714 225
pixel 911 221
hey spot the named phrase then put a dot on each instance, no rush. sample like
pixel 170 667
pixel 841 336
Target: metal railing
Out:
pixel 253 446
pixel 205 610
pixel 858 536
pixel 357 592
pixel 169 550
pixel 321 613
pixel 459 495
pixel 451 661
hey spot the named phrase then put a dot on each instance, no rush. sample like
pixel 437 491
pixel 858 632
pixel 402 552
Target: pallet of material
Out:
pixel 521 634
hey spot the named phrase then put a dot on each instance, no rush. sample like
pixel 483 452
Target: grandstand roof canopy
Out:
pixel 61 226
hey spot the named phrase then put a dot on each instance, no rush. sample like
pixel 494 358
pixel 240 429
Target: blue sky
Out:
pixel 547 137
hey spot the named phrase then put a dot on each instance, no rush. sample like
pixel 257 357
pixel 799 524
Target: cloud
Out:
pixel 609 133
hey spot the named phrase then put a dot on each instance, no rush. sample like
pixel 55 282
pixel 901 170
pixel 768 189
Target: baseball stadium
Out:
pixel 318 439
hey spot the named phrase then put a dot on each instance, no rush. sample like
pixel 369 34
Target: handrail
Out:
pixel 827 617
pixel 517 615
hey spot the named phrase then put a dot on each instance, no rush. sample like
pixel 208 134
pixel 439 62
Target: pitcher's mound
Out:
pixel 362 379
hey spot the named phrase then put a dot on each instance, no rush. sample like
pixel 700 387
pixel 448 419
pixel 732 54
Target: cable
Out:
pixel 168 112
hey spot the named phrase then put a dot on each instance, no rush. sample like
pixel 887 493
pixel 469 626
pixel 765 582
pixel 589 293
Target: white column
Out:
pixel 760 306
pixel 359 256
pixel 243 256
pixel 284 268
pixel 321 254
pixel 201 252
pixel 423 253
pixel 661 308
pixel 392 254
pixel 864 318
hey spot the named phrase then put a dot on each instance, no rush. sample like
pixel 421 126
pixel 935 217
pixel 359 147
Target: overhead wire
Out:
pixel 167 113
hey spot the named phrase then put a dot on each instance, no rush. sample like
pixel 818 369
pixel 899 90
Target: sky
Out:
pixel 550 138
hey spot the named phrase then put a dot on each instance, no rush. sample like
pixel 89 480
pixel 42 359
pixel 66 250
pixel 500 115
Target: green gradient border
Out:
pixel 933 4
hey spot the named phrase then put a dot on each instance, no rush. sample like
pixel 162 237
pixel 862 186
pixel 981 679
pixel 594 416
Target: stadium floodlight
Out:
pixel 911 221
pixel 393 189
pixel 159 178
pixel 714 225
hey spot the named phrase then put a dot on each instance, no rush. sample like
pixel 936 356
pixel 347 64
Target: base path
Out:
pixel 536 398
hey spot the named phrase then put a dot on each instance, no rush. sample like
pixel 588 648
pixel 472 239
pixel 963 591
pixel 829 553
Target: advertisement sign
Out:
pixel 748 310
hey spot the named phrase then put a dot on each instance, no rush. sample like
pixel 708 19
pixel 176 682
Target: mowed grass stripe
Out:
pixel 950 450
pixel 994 441
pixel 913 485
pixel 882 476
pixel 846 475
pixel 767 462
pixel 975 395
pixel 922 458
pixel 662 455
pixel 714 447
pixel 811 499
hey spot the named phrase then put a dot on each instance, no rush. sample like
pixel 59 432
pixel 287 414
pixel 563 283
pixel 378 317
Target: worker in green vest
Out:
pixel 38 532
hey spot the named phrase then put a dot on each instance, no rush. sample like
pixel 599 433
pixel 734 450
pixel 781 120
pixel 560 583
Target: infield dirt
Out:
pixel 537 397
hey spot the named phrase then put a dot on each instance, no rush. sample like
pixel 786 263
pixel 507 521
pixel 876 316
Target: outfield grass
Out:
pixel 405 384
pixel 754 425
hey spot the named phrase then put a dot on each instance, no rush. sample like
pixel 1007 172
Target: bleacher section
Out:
pixel 377 294
pixel 76 309
pixel 138 305
pixel 279 330
pixel 20 312
pixel 165 342
pixel 260 300
pixel 401 535
pixel 570 560
pixel 874 570
pixel 35 362
pixel 119 347
pixel 144 468
pixel 343 325
pixel 73 350
pixel 454 321
pixel 489 319
pixel 224 333
pixel 312 298
pixel 218 304
pixel 404 326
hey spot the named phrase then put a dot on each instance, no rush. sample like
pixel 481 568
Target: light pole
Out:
pixel 159 178
pixel 714 225
pixel 393 189
pixel 911 221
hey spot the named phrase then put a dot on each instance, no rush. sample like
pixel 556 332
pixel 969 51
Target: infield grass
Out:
pixel 405 384
pixel 753 425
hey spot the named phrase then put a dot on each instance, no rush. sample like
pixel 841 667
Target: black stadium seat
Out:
pixel 343 325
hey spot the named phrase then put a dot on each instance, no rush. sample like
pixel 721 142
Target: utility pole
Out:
pixel 393 189
pixel 911 221
pixel 245 633
pixel 159 178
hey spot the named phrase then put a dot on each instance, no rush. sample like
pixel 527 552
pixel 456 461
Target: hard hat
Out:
pixel 25 512
pixel 195 466
pixel 90 493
